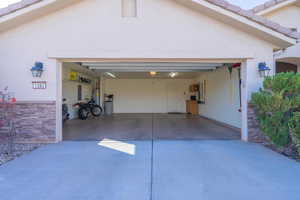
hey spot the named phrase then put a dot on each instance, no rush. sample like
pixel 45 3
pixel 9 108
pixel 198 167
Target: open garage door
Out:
pixel 153 101
pixel 136 90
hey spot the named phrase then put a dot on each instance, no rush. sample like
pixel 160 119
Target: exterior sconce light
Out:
pixel 37 69
pixel 263 69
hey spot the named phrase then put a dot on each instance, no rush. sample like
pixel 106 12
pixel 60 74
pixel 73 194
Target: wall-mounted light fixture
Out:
pixel 37 70
pixel 263 69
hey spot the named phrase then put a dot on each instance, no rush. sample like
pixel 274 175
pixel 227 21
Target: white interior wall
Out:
pixel 148 95
pixel 222 101
pixel 70 88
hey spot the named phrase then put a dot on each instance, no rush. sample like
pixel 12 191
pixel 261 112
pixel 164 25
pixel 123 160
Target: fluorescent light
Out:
pixel 173 74
pixel 111 75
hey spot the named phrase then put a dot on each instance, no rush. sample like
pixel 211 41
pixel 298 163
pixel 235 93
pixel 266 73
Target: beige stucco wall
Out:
pixel 162 29
pixel 288 16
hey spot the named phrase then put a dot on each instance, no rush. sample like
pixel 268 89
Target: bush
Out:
pixel 277 104
pixel 294 126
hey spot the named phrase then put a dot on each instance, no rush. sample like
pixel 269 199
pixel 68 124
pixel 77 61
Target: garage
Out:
pixel 153 100
pixel 128 40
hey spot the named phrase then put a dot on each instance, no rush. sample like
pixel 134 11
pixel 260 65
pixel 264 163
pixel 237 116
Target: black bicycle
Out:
pixel 86 109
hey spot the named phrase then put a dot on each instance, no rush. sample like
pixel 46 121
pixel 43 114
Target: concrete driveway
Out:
pixel 151 170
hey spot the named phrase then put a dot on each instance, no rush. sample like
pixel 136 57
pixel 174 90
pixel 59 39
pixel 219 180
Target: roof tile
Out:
pixel 266 5
pixel 258 19
pixel 17 6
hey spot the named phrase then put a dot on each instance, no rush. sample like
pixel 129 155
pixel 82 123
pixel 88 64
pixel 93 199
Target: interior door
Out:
pixel 159 96
pixel 177 94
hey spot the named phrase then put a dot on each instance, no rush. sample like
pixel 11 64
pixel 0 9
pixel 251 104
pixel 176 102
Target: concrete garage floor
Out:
pixel 146 127
pixel 151 170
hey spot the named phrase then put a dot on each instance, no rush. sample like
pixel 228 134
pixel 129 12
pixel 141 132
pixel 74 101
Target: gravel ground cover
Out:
pixel 17 151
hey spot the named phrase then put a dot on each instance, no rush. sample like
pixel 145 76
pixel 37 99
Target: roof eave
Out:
pixel 31 12
pixel 275 7
pixel 233 18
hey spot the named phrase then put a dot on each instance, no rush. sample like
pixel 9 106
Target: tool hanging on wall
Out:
pixel 238 66
pixel 231 89
pixel 230 68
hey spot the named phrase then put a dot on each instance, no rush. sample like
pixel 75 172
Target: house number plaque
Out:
pixel 41 85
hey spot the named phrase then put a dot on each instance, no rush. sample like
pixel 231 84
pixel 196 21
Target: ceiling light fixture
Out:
pixel 173 74
pixel 153 73
pixel 111 75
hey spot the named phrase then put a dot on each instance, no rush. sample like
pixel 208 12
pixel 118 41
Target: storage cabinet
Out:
pixel 192 107
pixel 194 88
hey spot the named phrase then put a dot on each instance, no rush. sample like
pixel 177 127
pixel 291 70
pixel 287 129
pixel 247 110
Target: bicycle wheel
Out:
pixel 83 113
pixel 96 111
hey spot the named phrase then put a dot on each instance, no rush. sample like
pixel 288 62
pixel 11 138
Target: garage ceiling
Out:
pixel 159 75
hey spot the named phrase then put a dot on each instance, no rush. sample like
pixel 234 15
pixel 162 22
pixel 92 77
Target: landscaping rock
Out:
pixel 17 151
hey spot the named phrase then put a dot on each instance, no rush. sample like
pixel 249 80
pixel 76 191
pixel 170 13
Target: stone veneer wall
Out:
pixel 35 122
pixel 254 132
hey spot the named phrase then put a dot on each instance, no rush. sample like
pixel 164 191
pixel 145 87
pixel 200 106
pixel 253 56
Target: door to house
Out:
pixel 177 94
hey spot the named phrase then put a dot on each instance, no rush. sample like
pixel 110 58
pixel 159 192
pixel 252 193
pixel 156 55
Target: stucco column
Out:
pixel 244 77
pixel 58 102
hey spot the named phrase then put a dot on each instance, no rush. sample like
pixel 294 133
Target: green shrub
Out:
pixel 276 104
pixel 294 125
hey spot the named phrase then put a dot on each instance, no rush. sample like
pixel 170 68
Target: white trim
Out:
pixel 26 10
pixel 115 55
pixel 244 77
pixel 58 131
pixel 276 7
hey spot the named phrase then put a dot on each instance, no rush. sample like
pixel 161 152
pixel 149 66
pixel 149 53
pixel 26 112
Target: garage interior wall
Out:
pixel 70 88
pixel 222 102
pixel 149 95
